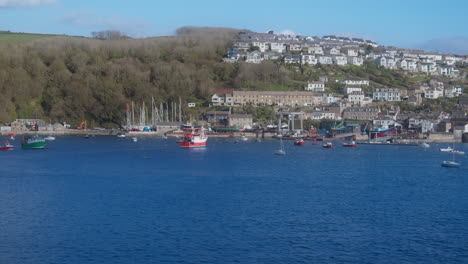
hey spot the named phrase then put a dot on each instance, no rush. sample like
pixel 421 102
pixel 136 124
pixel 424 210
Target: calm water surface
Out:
pixel 110 200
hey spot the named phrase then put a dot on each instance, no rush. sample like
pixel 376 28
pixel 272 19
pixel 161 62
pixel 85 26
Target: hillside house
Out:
pixel 316 50
pixel 315 86
pixel 386 94
pixel 254 57
pixel 325 60
pixel 434 93
pixel 292 59
pixel 309 59
pixel 340 60
pixel 358 61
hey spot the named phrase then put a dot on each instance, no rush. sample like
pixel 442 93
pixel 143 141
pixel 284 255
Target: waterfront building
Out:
pixel 293 98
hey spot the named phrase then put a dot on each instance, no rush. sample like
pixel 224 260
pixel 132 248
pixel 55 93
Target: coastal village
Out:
pixel 360 108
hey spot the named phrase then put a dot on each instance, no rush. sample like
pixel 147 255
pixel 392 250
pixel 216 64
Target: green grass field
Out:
pixel 19 38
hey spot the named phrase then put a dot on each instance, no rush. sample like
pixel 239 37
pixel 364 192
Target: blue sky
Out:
pixel 410 23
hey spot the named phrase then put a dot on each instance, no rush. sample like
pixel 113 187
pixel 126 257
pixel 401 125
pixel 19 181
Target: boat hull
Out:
pixel 349 145
pixel 383 133
pixel 188 144
pixel 450 165
pixel 6 148
pixel 33 145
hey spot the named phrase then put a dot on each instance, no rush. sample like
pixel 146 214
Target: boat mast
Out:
pixel 180 109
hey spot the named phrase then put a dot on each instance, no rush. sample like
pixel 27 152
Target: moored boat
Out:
pixel 447 149
pixel 328 145
pixel 425 145
pixel 7 146
pixel 350 144
pixel 450 164
pixel 458 152
pixel 50 138
pixel 120 135
pixel 35 142
pixel 383 131
pixel 299 142
pixel 194 139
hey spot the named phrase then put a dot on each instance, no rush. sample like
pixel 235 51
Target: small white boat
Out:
pixel 425 145
pixel 120 135
pixel 258 140
pixel 134 139
pixel 50 138
pixel 448 149
pixel 280 152
pixel 244 138
pixel 458 152
pixel 450 164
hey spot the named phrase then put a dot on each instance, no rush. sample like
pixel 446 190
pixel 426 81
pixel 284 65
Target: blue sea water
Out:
pixel 110 200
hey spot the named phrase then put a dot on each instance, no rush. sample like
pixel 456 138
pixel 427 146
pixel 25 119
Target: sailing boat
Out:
pixel 280 151
pixel 452 163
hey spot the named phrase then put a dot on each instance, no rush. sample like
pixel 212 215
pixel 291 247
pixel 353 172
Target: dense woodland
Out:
pixel 73 79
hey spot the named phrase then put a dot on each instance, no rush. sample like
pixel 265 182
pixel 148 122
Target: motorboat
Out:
pixel 447 149
pixel 328 145
pixel 49 138
pixel 7 146
pixel 350 144
pixel 450 164
pixel 299 142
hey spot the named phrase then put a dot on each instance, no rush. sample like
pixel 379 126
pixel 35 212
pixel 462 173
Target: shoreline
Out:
pixel 250 135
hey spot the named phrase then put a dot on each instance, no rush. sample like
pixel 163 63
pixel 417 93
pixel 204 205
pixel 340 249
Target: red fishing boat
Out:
pixel 299 142
pixel 328 145
pixel 350 144
pixel 7 146
pixel 194 139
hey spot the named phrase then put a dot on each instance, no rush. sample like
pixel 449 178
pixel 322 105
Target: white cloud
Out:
pixel 25 3
pixel 288 32
pixel 131 26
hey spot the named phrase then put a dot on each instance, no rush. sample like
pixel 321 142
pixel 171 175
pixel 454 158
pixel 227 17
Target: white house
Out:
pixel 317 50
pixel 290 59
pixel 434 93
pixel 447 70
pixel 358 61
pixel 350 52
pixel 356 98
pixel 386 94
pixel 453 91
pixel 427 67
pixel 329 99
pixel 222 99
pixel 254 57
pixel 325 60
pixel 308 59
pixel 315 86
pixel 354 82
pixel 386 62
pixel 262 46
pixel 277 47
pixel 332 51
pixel 340 60
pixel 352 89
pixel 294 47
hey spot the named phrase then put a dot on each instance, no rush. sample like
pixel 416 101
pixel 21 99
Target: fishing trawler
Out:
pixel 195 139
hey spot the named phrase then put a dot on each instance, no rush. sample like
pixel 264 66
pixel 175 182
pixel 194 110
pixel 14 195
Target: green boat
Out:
pixel 35 142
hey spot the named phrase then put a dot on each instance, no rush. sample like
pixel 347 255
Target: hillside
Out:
pixel 73 78
pixel 7 37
